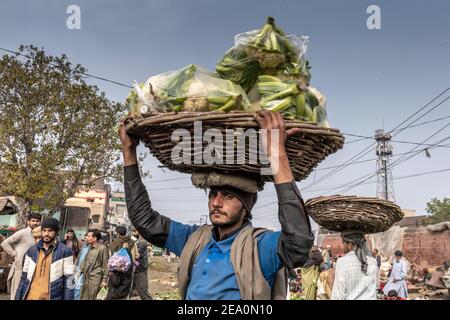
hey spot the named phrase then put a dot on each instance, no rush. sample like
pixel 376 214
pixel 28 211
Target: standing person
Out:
pixel 16 246
pixel 120 283
pixel 356 272
pixel 232 259
pixel 122 238
pixel 94 268
pixel 326 258
pixel 78 275
pixel 140 279
pixel 378 259
pixel 48 268
pixel 71 241
pixel 397 278
pixel 310 274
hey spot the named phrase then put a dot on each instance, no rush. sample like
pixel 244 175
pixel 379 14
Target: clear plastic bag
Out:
pixel 101 295
pixel 191 88
pixel 292 98
pixel 266 51
pixel 120 261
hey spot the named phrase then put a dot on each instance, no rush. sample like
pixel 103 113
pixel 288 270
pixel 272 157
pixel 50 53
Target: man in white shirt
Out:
pixel 397 280
pixel 356 272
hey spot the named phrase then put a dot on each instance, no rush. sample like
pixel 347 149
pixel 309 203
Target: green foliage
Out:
pixel 439 211
pixel 56 131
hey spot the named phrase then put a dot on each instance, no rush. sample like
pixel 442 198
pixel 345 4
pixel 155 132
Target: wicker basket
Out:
pixel 339 213
pixel 305 149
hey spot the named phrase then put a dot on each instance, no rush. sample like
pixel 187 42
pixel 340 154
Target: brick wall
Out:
pixel 425 248
pixel 420 246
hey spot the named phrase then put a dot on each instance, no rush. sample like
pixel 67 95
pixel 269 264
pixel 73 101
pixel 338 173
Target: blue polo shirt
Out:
pixel 213 276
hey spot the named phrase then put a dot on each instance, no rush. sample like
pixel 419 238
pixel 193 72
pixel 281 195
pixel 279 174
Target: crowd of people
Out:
pixel 47 268
pixel 226 260
pixel 358 276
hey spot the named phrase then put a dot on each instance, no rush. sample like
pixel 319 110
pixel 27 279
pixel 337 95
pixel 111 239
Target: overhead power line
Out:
pixel 84 73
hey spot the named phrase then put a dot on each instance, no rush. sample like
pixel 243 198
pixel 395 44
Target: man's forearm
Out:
pixel 149 223
pixel 129 156
pixel 6 245
pixel 296 237
pixel 281 169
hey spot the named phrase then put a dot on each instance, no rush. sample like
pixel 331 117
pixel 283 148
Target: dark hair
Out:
pixel 392 293
pixel 248 216
pixel 121 230
pixel 34 215
pixel 74 234
pixel 96 233
pixel 398 253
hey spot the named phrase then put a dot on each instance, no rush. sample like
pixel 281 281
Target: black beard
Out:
pixel 50 241
pixel 233 220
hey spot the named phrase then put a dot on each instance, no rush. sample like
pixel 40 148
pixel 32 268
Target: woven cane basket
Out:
pixel 339 213
pixel 305 149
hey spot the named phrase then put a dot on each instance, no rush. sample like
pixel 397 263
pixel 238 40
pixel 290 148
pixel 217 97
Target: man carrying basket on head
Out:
pixel 230 259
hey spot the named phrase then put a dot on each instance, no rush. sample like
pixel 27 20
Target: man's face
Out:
pixel 48 235
pixel 398 258
pixel 347 247
pixel 70 235
pixel 33 223
pixel 90 238
pixel 225 210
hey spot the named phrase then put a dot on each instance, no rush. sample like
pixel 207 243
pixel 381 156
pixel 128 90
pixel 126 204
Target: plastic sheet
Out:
pixel 266 51
pixel 191 88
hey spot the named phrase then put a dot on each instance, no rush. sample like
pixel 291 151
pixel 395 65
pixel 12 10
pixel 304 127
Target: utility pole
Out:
pixel 203 219
pixel 385 185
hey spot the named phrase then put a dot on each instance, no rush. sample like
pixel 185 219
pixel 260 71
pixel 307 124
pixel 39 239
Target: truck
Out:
pixel 75 218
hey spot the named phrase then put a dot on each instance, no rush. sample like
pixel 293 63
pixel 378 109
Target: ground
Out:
pixel 163 278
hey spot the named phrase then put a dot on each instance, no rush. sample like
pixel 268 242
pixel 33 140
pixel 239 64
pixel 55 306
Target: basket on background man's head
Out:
pixel 340 213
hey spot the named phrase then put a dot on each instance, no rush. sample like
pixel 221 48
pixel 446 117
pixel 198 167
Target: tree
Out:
pixel 57 132
pixel 439 211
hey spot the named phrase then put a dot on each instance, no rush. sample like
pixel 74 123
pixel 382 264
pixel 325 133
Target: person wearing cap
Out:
pixel 397 279
pixel 231 259
pixel 37 234
pixel 48 271
pixel 356 272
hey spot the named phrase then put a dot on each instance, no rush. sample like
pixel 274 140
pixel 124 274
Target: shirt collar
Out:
pixel 350 253
pixel 225 244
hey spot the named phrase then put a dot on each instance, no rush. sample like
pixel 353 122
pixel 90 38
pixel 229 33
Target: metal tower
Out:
pixel 385 185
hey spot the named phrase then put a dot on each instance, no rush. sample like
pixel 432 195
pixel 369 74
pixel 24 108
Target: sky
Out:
pixel 373 79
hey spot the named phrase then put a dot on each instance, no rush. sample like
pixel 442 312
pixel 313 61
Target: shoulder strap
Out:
pixel 245 259
pixel 196 242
